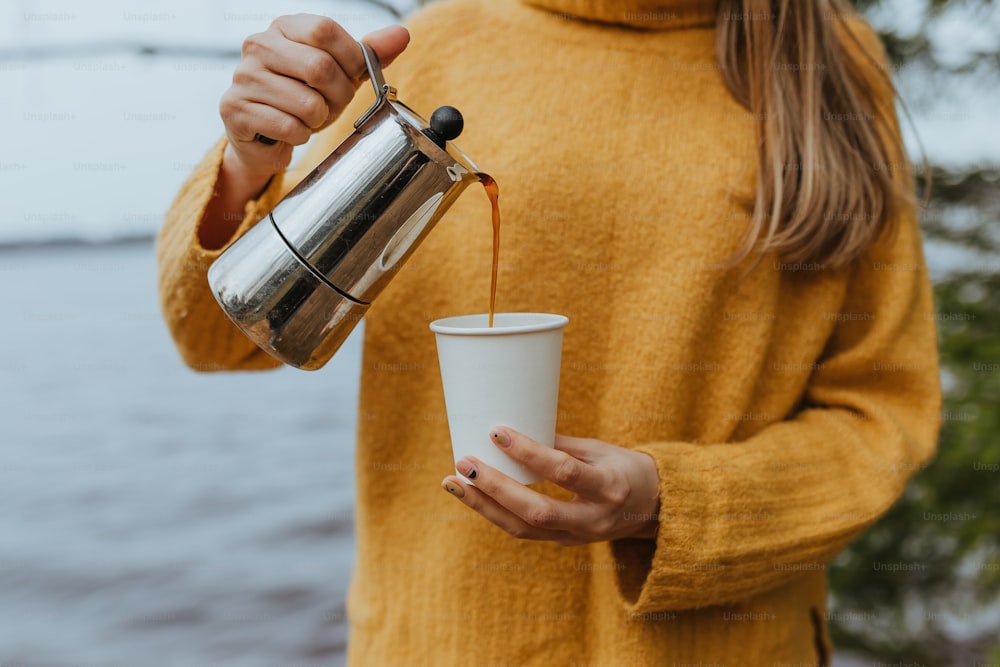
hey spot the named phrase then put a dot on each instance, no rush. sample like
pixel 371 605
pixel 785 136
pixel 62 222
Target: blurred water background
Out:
pixel 153 516
pixel 148 515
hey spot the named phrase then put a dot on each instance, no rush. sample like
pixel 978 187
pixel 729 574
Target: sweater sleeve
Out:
pixel 741 518
pixel 205 338
pixel 738 519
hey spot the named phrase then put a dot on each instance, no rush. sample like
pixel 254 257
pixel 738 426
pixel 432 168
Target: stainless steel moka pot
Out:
pixel 300 279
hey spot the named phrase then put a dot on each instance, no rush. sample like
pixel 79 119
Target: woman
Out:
pixel 715 194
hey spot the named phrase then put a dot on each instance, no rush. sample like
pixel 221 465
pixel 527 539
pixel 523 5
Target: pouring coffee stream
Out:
pixel 493 192
pixel 299 281
pixel 446 124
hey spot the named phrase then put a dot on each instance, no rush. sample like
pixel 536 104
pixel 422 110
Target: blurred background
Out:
pixel 153 516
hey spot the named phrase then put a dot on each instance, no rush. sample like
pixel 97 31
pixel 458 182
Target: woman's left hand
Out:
pixel 617 490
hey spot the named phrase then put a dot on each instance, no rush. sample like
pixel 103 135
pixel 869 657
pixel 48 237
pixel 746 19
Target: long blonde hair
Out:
pixel 827 181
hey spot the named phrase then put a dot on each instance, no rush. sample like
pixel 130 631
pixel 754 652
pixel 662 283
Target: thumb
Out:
pixel 388 42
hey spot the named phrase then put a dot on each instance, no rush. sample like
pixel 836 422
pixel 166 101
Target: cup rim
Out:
pixel 476 325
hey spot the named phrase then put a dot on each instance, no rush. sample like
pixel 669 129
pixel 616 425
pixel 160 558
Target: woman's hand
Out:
pixel 617 490
pixel 295 78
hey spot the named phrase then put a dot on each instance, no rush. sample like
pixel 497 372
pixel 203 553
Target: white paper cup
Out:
pixel 504 376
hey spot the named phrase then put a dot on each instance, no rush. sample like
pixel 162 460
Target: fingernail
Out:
pixel 466 469
pixel 453 489
pixel 500 438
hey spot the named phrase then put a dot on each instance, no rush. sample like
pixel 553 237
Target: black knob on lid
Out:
pixel 446 124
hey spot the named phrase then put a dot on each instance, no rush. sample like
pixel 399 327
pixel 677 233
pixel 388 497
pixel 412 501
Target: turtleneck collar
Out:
pixel 644 14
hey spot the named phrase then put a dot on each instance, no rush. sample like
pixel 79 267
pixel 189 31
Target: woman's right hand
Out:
pixel 295 78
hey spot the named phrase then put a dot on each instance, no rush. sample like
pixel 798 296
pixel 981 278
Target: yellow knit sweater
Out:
pixel 784 410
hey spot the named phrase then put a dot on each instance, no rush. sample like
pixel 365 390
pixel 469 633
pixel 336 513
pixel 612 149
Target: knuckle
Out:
pixel 485 485
pixel 287 130
pixel 299 135
pixel 279 21
pixel 540 516
pixel 227 105
pixel 517 531
pixel 318 68
pixel 230 107
pixel 603 526
pixel 567 472
pixel 315 109
pixel 615 493
pixel 322 31
pixel 243 75
pixel 252 44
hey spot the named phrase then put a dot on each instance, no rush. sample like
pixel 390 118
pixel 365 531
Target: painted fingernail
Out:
pixel 466 469
pixel 500 438
pixel 453 489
